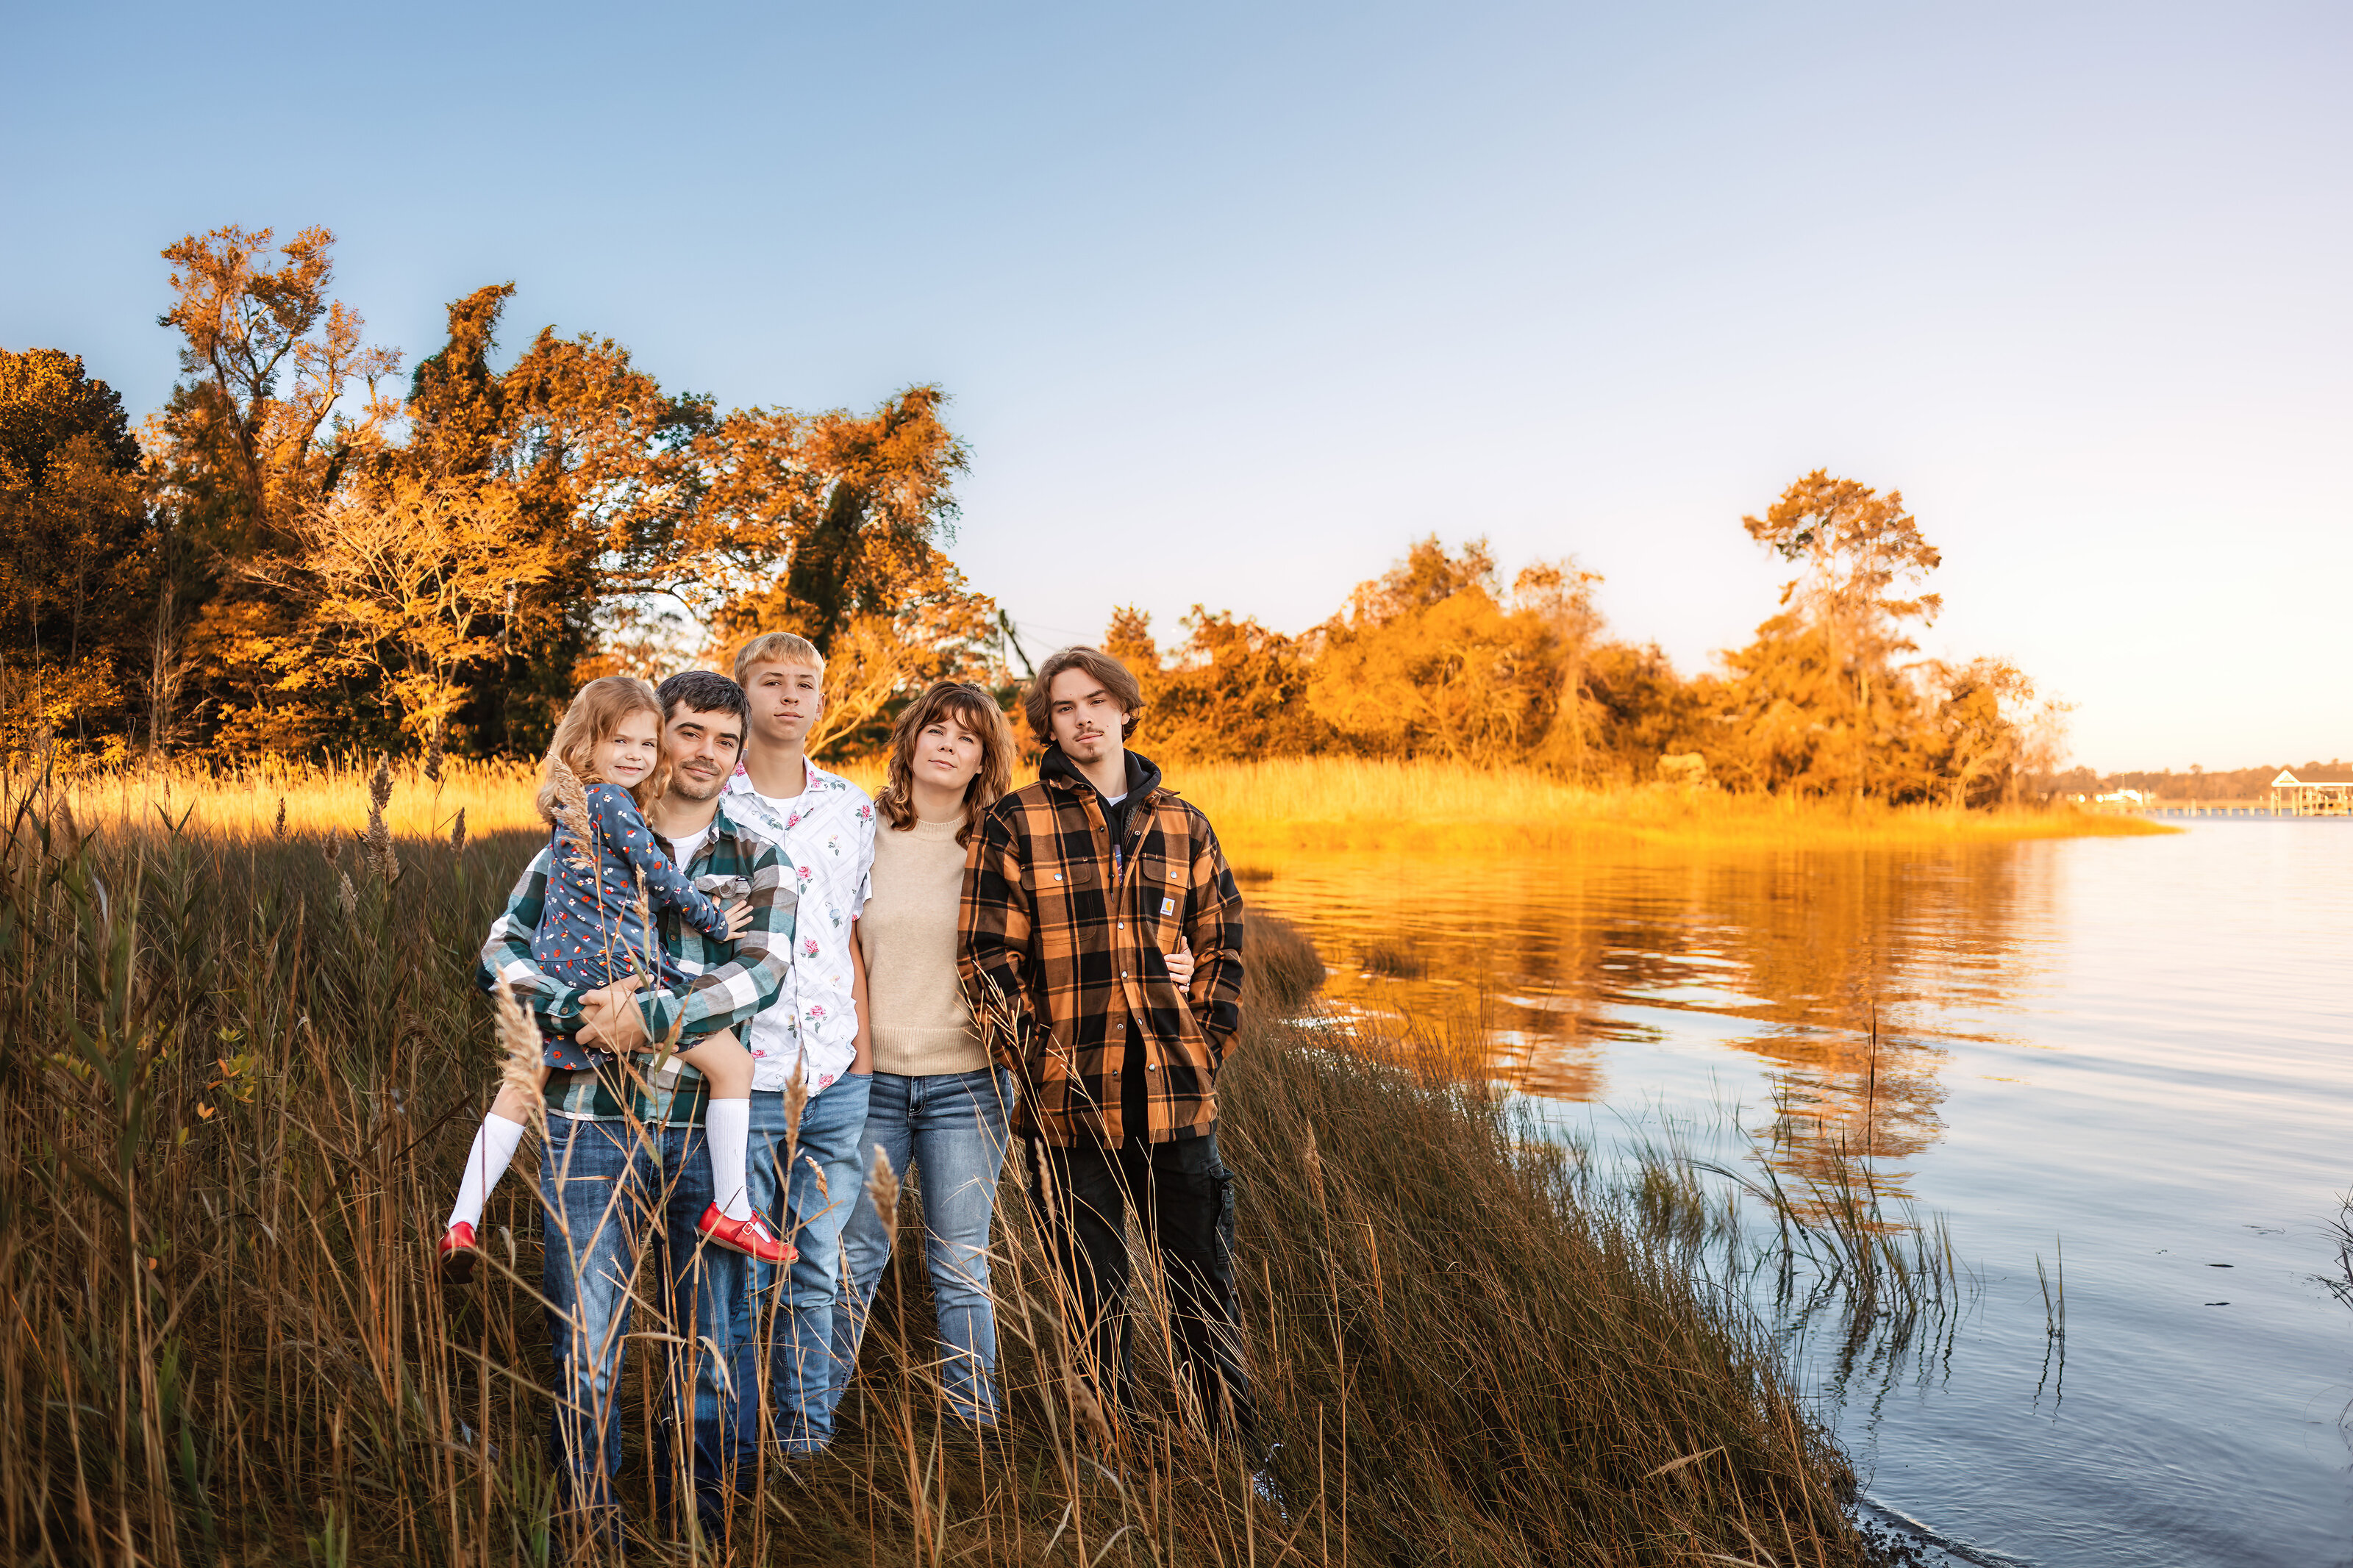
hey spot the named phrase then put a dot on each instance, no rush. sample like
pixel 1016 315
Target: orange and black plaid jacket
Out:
pixel 1059 961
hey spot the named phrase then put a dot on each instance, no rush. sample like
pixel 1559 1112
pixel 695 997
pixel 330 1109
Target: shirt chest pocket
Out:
pixel 1160 898
pixel 1052 887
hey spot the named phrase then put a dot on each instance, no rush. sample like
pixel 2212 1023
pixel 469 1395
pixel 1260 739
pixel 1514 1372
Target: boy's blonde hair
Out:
pixel 776 647
pixel 597 711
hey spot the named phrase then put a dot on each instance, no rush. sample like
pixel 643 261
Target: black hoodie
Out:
pixel 1143 778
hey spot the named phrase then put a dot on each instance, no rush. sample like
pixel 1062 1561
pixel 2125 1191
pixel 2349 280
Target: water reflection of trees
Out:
pixel 1553 957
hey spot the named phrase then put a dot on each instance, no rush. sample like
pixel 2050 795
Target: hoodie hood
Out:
pixel 1143 774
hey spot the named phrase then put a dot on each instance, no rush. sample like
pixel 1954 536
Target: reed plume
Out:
pixel 347 895
pixel 278 828
pixel 333 846
pixel 458 832
pixel 433 756
pixel 380 858
pixel 882 1186
pixel 796 1103
pixel 572 813
pixel 650 961
pixel 520 1058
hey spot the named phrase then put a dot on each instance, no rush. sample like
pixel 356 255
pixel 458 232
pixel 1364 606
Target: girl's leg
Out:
pixel 727 1121
pixel 494 1146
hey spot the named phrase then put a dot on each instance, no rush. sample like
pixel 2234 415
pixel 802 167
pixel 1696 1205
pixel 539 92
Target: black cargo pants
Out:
pixel 1183 1197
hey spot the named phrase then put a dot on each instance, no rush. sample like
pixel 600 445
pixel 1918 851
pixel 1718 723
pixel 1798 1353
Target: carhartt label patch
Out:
pixel 1167 906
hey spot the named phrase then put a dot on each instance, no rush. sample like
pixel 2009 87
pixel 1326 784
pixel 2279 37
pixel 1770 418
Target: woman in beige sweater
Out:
pixel 938 1105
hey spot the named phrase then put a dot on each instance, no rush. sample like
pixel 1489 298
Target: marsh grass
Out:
pixel 1856 1287
pixel 1350 802
pixel 1305 803
pixel 1392 959
pixel 271 799
pixel 236 1080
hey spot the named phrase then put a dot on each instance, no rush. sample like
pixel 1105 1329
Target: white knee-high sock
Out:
pixel 494 1150
pixel 727 1132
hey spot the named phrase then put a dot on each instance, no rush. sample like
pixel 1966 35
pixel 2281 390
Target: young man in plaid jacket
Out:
pixel 1079 887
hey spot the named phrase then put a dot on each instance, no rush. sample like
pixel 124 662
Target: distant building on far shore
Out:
pixel 2312 794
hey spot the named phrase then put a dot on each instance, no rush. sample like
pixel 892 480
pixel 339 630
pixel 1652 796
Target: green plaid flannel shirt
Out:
pixel 727 986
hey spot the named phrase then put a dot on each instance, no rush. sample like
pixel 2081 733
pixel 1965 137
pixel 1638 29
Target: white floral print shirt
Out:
pixel 827 832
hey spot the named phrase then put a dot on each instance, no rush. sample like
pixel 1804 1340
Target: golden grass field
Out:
pixel 236 1084
pixel 1302 803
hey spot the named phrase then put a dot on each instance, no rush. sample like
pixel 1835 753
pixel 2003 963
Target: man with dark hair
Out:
pixel 622 1150
pixel 707 692
pixel 1080 886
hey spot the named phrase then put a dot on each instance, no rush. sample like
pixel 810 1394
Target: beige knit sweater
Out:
pixel 908 933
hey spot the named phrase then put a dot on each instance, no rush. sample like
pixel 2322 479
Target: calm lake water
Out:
pixel 2137 1053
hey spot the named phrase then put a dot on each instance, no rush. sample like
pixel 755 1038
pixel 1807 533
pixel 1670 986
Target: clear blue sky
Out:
pixel 1236 300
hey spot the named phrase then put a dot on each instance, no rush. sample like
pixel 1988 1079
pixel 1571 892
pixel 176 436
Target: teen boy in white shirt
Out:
pixel 824 826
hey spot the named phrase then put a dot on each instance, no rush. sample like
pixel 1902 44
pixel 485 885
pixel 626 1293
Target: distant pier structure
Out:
pixel 2312 794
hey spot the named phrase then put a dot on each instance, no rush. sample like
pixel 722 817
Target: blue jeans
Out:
pixel 810 1213
pixel 949 1126
pixel 609 1190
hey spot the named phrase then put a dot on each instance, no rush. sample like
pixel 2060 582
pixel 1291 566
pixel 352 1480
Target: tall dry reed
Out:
pixel 233 1101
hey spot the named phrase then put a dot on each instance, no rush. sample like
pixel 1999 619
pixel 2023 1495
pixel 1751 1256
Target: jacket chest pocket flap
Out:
pixel 1059 876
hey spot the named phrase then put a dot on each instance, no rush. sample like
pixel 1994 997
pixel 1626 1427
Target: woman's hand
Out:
pixel 1180 964
pixel 739 918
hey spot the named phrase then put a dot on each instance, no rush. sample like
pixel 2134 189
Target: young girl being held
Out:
pixel 591 934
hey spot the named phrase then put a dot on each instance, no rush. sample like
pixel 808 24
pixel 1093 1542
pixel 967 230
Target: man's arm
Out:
pixel 993 949
pixel 1213 929
pixel 728 996
pixel 506 954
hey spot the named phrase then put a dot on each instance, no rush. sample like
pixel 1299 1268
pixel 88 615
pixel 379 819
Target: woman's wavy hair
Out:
pixel 597 711
pixel 978 712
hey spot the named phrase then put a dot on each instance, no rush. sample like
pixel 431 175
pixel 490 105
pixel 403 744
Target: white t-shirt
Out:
pixel 687 845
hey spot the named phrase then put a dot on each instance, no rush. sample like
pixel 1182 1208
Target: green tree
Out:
pixel 593 453
pixel 256 436
pixel 77 543
pixel 401 586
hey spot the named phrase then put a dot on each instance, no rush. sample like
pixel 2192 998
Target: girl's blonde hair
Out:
pixel 597 711
pixel 978 712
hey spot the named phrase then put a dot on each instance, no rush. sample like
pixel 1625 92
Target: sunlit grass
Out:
pixel 316 798
pixel 1349 803
pixel 1307 802
pixel 236 1083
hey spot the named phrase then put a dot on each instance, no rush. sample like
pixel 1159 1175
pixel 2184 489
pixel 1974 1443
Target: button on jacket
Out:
pixel 1063 953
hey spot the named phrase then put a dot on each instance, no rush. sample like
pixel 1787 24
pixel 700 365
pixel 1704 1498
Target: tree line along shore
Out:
pixel 316 549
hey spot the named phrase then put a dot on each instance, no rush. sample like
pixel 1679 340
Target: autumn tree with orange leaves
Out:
pixel 311 554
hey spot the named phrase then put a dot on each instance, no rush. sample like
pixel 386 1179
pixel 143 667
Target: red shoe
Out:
pixel 458 1254
pixel 750 1237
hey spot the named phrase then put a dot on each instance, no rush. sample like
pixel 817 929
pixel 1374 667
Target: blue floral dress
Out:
pixel 589 933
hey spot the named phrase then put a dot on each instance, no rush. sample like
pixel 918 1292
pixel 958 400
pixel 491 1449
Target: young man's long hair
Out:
pixel 597 711
pixel 965 704
pixel 1037 699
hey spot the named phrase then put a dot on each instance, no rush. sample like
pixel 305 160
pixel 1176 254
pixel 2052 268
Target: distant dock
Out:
pixel 2292 795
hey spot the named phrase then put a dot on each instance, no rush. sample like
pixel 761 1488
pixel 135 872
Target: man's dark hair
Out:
pixel 705 691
